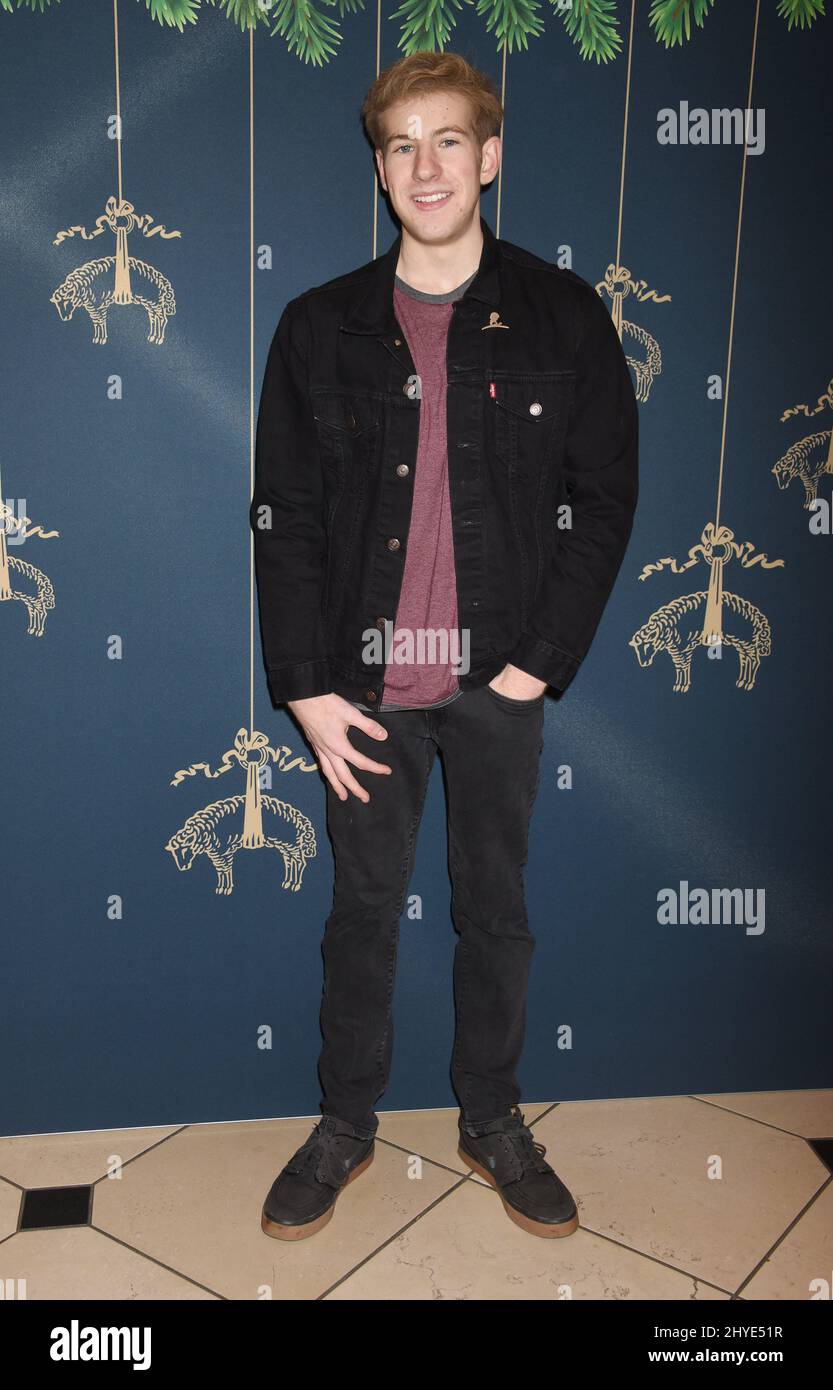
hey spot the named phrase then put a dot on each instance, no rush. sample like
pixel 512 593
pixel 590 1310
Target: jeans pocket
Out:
pixel 507 702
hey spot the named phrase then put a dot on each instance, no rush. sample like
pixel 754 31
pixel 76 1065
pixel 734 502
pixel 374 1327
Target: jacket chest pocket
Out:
pixel 348 428
pixel 527 410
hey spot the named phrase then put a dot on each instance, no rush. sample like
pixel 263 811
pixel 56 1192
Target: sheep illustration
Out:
pixel 202 834
pixel 644 371
pixel 92 287
pixel 36 604
pixel 619 284
pixel 806 459
pixel 668 631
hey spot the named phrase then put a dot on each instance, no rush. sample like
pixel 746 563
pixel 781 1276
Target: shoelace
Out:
pixel 531 1152
pixel 306 1155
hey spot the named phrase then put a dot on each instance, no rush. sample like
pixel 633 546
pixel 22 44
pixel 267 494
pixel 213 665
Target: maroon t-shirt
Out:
pixel 428 598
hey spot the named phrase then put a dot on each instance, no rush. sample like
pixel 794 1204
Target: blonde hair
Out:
pixel 428 72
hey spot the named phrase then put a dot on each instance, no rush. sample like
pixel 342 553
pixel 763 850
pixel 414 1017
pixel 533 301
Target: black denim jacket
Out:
pixel 541 412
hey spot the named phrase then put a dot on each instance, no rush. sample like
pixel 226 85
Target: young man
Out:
pixel 446 445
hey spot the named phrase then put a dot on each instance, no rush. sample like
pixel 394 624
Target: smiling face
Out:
pixel 430 165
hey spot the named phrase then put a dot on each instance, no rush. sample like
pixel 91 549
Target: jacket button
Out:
pixel 393 543
pixel 402 470
pixel 397 342
pixel 351 421
pixel 370 695
pixel 535 408
pixel 380 623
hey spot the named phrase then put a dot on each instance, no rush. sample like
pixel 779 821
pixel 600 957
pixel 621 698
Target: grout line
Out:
pixel 435 1162
pixel 768 1124
pixel 22 1191
pixel 654 1259
pixel 486 1187
pixel 19 1185
pixel 22 1188
pixel 798 1216
pixel 142 1152
pixel 544 1113
pixel 392 1144
pixel 153 1260
pixel 395 1236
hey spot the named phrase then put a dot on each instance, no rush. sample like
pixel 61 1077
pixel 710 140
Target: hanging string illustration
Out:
pixel 253 819
pixel 119 279
pixel 808 459
pixel 676 628
pixel 618 282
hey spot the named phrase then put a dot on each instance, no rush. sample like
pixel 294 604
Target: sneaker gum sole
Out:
pixel 548 1229
pixel 309 1228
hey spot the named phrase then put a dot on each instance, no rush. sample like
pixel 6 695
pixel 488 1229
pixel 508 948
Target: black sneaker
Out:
pixel 303 1196
pixel 506 1155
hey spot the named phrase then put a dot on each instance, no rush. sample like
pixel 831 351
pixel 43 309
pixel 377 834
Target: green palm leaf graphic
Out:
pixel 593 25
pixel 427 24
pixel 513 21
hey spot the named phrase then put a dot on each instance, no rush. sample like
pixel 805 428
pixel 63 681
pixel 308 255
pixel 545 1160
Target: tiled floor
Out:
pixel 681 1197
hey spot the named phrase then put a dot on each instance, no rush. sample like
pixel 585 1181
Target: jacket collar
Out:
pixel 374 313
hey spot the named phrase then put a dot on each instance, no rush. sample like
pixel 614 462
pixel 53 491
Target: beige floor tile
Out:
pixel 808 1113
pixel 79 1263
pixel 467 1248
pixel 195 1203
pixel 433 1133
pixel 60 1160
pixel 638 1172
pixel 191 1198
pixel 804 1255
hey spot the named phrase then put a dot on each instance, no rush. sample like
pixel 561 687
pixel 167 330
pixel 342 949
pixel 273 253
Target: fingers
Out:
pixel 341 747
pixel 368 726
pixel 340 777
pixel 328 771
pixel 362 760
pixel 340 752
pixel 347 779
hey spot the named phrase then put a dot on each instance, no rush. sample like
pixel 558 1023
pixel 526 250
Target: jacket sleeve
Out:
pixel 601 474
pixel 287 520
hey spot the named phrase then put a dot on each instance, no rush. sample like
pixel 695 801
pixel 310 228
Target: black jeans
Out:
pixel 490 749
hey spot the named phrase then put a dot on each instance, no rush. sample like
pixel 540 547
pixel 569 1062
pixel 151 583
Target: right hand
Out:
pixel 325 720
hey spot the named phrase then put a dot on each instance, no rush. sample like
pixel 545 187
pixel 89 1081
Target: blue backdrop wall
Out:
pixel 134 993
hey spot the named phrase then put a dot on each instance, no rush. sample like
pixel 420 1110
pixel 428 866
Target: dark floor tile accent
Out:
pixel 823 1148
pixel 55 1206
